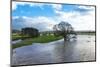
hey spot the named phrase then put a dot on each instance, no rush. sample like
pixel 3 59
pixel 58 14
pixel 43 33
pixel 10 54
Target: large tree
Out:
pixel 29 31
pixel 63 29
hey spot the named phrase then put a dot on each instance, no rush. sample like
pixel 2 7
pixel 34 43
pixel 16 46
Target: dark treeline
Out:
pixel 16 31
pixel 85 32
pixel 75 31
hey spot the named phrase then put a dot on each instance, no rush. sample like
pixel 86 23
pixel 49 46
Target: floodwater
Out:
pixel 16 41
pixel 82 49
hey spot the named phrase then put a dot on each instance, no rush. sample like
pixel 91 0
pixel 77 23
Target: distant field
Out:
pixel 18 36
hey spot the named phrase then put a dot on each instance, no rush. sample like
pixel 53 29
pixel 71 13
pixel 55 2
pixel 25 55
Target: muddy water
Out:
pixel 82 49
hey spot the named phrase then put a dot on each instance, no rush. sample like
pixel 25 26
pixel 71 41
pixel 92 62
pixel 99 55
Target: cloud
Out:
pixel 41 23
pixel 15 4
pixel 83 18
pixel 86 7
pixel 56 6
pixel 78 21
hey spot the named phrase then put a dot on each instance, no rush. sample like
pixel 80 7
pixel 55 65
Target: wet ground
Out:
pixel 82 49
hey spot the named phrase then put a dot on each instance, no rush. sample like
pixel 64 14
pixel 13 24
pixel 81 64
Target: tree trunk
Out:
pixel 65 38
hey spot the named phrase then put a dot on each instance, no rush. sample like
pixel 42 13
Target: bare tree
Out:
pixel 63 29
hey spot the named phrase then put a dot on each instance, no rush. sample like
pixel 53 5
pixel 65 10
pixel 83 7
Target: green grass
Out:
pixel 40 39
pixel 17 36
pixel 45 39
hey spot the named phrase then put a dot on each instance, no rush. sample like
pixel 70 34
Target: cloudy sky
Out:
pixel 44 16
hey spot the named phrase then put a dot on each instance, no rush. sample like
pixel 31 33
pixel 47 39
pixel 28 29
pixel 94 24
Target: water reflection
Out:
pixel 55 52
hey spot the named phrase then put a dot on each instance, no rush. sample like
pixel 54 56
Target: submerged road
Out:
pixel 83 49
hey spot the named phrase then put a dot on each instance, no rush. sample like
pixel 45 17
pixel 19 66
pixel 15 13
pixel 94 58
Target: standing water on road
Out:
pixel 82 49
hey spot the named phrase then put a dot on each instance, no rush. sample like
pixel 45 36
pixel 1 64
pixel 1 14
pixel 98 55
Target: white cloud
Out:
pixel 78 21
pixel 87 7
pixel 42 23
pixel 15 17
pixel 57 6
pixel 15 4
pixel 54 6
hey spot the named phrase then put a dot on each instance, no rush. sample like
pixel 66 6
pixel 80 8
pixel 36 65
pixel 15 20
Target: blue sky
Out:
pixel 43 16
pixel 45 10
pixel 28 11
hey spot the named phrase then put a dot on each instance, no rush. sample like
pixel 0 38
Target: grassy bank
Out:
pixel 40 39
pixel 18 36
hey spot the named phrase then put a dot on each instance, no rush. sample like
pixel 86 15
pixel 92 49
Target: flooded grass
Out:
pixel 40 39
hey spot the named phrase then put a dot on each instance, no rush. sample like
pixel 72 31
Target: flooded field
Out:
pixel 81 49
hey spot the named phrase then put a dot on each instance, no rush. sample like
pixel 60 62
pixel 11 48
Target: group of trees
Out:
pixel 31 32
pixel 15 31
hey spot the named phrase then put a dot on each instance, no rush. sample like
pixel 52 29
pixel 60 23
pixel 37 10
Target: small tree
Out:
pixel 31 32
pixel 63 29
